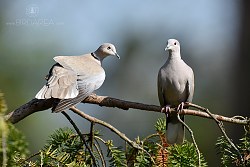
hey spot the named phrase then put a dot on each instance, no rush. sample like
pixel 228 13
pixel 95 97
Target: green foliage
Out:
pixel 3 105
pixel 163 155
pixel 116 155
pixel 12 141
pixel 184 154
pixel 160 125
pixel 229 156
pixel 141 158
pixel 65 148
pixel 16 145
pixel 176 155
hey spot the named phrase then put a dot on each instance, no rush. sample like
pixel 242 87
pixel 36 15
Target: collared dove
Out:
pixel 175 86
pixel 74 78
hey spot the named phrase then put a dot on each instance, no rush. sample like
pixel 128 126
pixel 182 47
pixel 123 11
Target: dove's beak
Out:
pixel 117 55
pixel 167 47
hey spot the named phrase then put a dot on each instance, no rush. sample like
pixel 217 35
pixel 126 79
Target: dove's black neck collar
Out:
pixel 93 54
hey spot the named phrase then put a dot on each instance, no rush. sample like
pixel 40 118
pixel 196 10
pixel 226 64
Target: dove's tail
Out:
pixel 175 130
pixel 67 103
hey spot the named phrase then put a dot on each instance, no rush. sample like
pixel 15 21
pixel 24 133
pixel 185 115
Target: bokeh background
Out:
pixel 214 37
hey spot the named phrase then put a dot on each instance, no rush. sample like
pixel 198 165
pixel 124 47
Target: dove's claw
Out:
pixel 180 107
pixel 166 110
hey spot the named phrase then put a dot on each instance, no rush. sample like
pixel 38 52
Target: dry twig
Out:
pixel 193 139
pixel 80 135
pixel 221 126
pixel 113 129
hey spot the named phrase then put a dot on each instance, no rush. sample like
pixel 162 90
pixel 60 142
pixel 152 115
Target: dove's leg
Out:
pixel 166 110
pixel 180 107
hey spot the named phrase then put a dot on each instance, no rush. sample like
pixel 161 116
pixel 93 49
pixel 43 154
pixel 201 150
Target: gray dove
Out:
pixel 74 78
pixel 175 86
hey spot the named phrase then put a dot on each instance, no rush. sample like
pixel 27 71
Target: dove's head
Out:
pixel 173 46
pixel 106 49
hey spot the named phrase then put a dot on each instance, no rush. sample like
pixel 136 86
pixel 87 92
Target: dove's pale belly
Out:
pixel 174 92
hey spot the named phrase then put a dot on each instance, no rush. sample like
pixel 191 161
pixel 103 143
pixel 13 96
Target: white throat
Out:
pixel 174 55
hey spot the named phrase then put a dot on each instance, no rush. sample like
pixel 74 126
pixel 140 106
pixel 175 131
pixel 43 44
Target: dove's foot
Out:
pixel 166 110
pixel 180 107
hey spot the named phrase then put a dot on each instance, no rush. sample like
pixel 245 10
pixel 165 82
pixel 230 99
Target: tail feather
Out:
pixel 175 131
pixel 67 103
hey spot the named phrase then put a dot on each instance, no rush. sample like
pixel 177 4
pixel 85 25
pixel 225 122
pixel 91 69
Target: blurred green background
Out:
pixel 210 32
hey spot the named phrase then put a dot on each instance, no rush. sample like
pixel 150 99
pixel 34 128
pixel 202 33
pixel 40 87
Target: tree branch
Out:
pixel 81 136
pixel 95 120
pixel 193 139
pixel 36 105
pixel 221 126
pixel 113 129
pixel 27 109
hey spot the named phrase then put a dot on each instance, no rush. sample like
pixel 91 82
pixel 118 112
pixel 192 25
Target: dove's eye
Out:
pixel 175 43
pixel 109 48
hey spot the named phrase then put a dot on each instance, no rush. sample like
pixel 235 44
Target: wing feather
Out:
pixel 85 86
pixel 190 87
pixel 160 89
pixel 71 86
pixel 61 84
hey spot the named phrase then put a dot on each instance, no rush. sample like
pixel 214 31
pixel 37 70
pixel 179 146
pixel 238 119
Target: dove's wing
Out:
pixel 74 78
pixel 190 86
pixel 86 85
pixel 61 84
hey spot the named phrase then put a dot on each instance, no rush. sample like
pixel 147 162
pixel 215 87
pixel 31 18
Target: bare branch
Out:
pixel 113 129
pixel 36 105
pixel 95 120
pixel 81 136
pixel 221 126
pixel 193 139
pixel 27 109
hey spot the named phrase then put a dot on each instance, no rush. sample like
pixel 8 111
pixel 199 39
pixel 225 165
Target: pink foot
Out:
pixel 180 107
pixel 166 110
